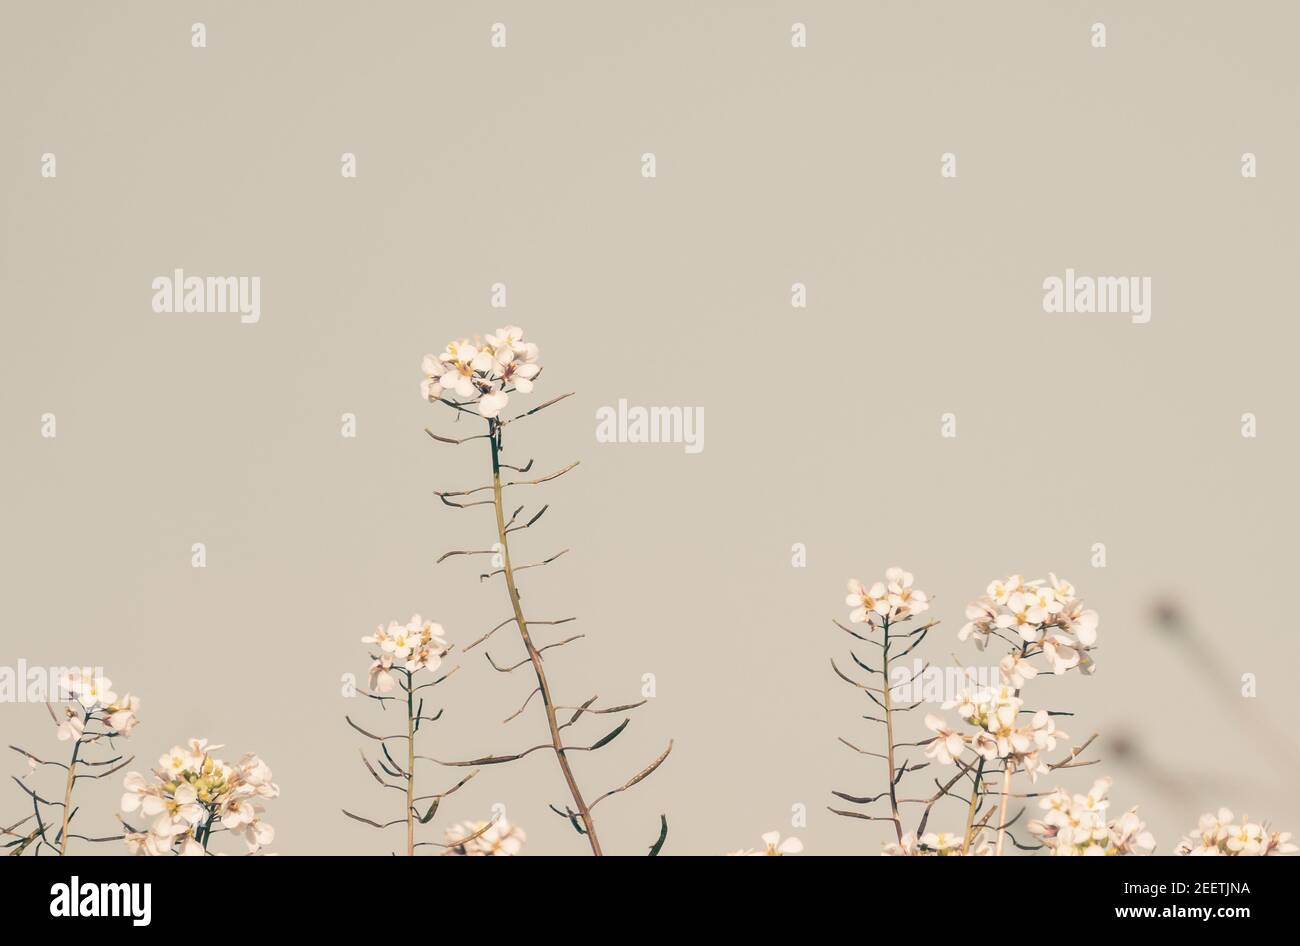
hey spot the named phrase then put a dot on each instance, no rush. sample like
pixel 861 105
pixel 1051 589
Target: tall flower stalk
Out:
pixel 92 714
pixel 477 378
pixel 403 655
pixel 534 655
pixel 885 606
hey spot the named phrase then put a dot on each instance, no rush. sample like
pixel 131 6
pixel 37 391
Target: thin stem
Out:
pixel 888 704
pixel 974 799
pixel 67 797
pixel 1007 769
pixel 1002 812
pixel 410 767
pixel 584 812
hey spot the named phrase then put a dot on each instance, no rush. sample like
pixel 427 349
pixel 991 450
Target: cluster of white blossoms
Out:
pixel 191 794
pixel 773 846
pixel 93 693
pixel 482 371
pixel 932 844
pixel 499 839
pixel 1219 835
pixel 893 599
pixel 994 714
pixel 416 645
pixel 1076 825
pixel 1043 616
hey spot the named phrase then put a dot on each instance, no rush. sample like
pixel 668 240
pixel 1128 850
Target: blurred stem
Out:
pixel 584 812
pixel 888 704
pixel 974 800
pixel 1002 811
pixel 1008 768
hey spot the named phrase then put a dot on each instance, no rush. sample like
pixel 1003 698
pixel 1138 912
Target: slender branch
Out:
pixel 584 812
pixel 36 759
pixel 507 621
pixel 929 803
pixel 539 407
pixel 1068 762
pixel 514 528
pixel 453 440
pixel 371 735
pixel 519 568
pixel 527 700
pixel 644 773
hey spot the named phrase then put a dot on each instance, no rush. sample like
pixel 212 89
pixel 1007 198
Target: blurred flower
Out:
pixel 940 844
pixel 123 715
pixel 72 727
pixel 947 744
pixel 88 687
pixel 500 839
pixel 1218 835
pixel 980 617
pixel 381 679
pixel 773 846
pixel 905 847
pixel 1016 669
pixel 1076 825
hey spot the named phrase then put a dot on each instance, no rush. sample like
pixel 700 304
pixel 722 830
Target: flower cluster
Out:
pixel 1076 825
pixel 941 844
pixel 773 846
pixel 1218 835
pixel 894 599
pixel 416 645
pixel 498 839
pixel 995 715
pixel 93 694
pixel 1044 616
pixel 192 794
pixel 483 371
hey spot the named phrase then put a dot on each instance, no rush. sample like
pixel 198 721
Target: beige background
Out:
pixel 775 165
